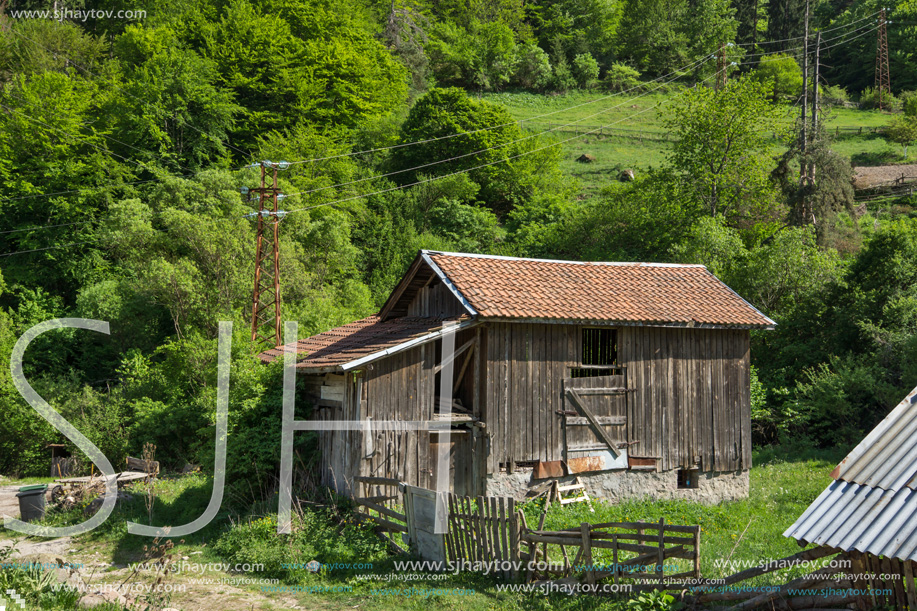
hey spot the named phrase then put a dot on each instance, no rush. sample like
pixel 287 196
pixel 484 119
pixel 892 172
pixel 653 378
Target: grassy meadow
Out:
pixel 626 131
pixel 783 482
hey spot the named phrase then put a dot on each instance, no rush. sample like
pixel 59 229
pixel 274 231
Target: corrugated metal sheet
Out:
pixel 887 457
pixel 852 516
pixel 872 507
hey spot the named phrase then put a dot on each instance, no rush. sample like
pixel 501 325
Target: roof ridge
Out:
pixel 507 258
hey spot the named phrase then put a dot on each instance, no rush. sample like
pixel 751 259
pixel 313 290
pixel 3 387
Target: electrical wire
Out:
pixel 485 150
pixel 770 42
pixel 484 165
pixel 22 252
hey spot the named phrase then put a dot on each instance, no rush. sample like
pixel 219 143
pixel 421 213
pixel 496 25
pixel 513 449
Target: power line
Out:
pixel 535 135
pixel 676 72
pixel 107 137
pixel 22 252
pixel 484 165
pixel 45 227
pixel 480 151
pixel 840 27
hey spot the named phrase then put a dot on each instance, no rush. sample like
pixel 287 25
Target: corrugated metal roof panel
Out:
pixel 852 516
pixel 887 457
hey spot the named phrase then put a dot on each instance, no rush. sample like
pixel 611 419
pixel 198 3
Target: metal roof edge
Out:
pixel 363 360
pixel 448 283
pixel 506 258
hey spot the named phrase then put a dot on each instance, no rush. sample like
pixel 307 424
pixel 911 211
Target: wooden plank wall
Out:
pixel 525 368
pixel 690 406
pixel 401 387
pixel 435 301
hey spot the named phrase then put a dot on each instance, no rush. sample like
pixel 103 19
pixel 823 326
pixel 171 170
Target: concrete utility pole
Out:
pixel 266 294
pixel 805 98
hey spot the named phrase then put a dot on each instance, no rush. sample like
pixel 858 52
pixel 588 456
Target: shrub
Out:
pixel 534 68
pixel 317 535
pixel 563 77
pixel 909 103
pixel 835 94
pixel 782 72
pixel 585 70
pixel 869 99
pixel 620 77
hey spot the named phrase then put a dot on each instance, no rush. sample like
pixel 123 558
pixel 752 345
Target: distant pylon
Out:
pixel 883 82
pixel 266 295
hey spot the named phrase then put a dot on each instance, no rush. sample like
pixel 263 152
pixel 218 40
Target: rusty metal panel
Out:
pixel 549 468
pixel 601 461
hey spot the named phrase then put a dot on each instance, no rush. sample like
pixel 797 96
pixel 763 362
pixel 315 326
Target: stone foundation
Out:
pixel 712 487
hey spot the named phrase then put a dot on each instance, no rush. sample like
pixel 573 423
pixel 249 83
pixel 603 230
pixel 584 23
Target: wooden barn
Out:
pixel 633 377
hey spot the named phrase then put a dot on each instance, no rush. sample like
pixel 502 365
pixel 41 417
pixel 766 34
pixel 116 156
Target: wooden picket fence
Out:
pixel 485 529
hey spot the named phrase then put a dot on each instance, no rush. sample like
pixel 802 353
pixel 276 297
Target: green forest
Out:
pixel 125 145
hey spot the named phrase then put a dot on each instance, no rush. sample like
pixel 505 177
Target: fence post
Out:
pixel 661 562
pixel 587 552
pixel 697 553
pixel 614 557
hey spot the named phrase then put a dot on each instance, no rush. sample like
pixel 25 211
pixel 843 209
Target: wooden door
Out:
pixel 595 422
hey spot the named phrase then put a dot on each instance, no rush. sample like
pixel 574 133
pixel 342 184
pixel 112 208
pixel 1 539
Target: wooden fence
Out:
pixel 616 550
pixel 378 504
pixel 485 529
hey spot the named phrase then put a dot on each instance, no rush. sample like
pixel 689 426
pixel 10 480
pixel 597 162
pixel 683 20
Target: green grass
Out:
pixel 633 135
pixel 784 481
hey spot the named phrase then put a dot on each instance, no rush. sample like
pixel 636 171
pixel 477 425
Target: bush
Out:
pixel 317 535
pixel 620 77
pixel 835 94
pixel 909 103
pixel 563 77
pixel 869 99
pixel 585 70
pixel 782 72
pixel 534 68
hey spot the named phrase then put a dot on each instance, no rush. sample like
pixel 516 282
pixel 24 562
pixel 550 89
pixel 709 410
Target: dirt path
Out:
pixel 9 503
pixel 866 177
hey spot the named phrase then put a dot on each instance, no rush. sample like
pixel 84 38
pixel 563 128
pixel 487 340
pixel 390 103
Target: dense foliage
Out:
pixel 123 146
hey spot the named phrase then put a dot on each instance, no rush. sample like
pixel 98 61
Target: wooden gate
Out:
pixel 595 423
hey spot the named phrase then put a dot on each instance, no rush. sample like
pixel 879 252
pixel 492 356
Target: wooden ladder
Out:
pixel 576 491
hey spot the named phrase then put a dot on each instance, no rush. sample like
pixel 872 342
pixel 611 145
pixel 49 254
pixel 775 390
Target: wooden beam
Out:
pixel 454 356
pixel 461 373
pixel 596 427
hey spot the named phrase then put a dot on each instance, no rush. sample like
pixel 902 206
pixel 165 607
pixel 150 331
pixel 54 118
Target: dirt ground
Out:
pixel 9 503
pixel 883 175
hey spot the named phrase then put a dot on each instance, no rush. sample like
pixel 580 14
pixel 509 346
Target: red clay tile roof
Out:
pixel 629 293
pixel 356 340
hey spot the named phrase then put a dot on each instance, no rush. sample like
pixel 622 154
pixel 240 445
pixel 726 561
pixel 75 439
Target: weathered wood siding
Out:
pixel 436 301
pixel 690 406
pixel 401 387
pixel 526 365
